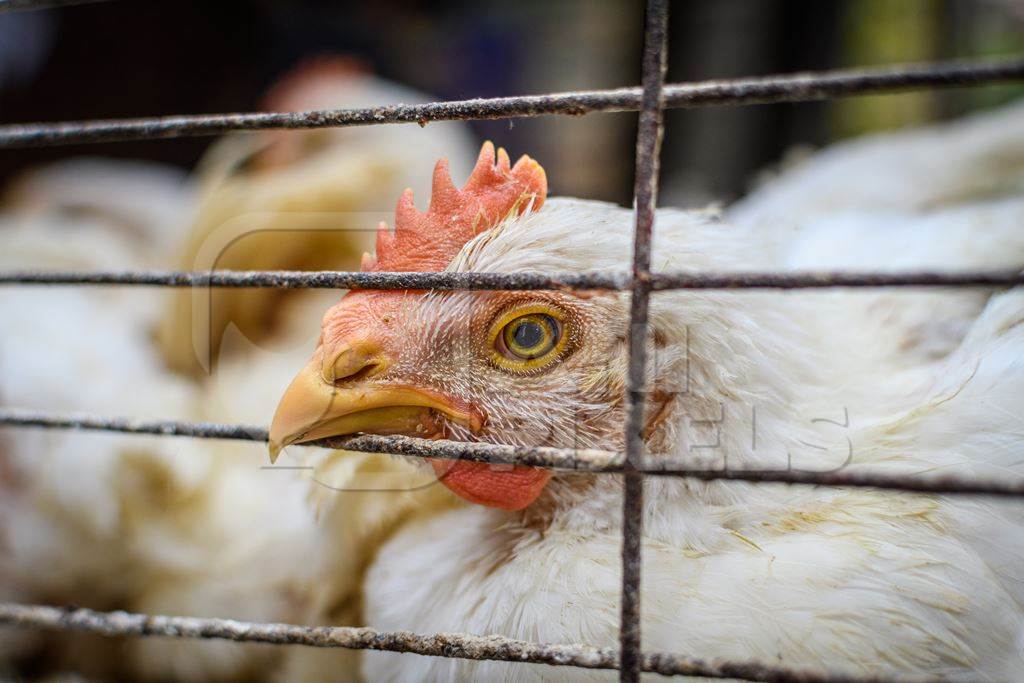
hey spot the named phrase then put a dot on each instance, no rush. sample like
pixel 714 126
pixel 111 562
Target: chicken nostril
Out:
pixel 351 365
pixel 368 370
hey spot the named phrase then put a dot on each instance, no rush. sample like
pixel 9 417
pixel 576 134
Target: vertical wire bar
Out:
pixel 648 148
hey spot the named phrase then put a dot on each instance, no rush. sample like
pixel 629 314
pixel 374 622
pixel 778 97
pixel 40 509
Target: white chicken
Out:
pixel 862 581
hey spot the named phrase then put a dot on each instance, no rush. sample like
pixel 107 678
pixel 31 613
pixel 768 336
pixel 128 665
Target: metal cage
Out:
pixel 651 99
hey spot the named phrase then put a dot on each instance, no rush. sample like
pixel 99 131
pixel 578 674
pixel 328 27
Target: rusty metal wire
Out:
pixel 457 645
pixel 291 279
pixel 14 5
pixel 538 456
pixel 580 460
pixel 284 279
pixel 14 417
pixel 798 87
pixel 650 130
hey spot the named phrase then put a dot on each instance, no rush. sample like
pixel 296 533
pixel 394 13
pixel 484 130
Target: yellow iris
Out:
pixel 528 338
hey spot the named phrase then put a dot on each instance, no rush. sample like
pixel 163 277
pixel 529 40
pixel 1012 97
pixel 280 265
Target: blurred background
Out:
pixel 132 58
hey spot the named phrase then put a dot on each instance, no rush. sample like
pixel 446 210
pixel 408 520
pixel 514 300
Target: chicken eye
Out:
pixel 531 336
pixel 528 338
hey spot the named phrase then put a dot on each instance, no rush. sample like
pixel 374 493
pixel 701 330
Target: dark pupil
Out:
pixel 528 335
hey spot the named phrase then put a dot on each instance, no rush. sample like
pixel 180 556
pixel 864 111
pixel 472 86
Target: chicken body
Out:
pixel 115 521
pixel 181 526
pixel 861 581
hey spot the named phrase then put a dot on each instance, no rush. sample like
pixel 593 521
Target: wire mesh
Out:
pixel 650 99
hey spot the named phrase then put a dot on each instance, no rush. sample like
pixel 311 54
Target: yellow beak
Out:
pixel 314 408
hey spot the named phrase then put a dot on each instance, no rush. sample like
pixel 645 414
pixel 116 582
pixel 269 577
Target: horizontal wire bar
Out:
pixel 796 87
pixel 14 5
pixel 14 417
pixel 451 645
pixel 590 460
pixel 285 279
pixel 819 280
pixel 580 460
pixel 290 279
pixel 908 483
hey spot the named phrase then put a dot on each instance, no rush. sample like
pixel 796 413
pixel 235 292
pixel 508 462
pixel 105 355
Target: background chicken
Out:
pixel 865 581
pixel 275 200
pixel 180 526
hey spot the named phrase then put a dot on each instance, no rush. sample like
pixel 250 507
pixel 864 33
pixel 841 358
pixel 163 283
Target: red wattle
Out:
pixel 496 486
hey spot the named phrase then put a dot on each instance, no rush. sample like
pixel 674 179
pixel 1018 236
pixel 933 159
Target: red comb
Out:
pixel 429 241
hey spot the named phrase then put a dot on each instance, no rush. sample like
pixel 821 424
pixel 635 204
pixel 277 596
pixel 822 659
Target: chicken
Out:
pixel 863 581
pixel 113 520
pixel 179 526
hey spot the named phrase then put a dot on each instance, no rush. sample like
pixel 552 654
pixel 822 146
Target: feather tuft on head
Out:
pixel 429 241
